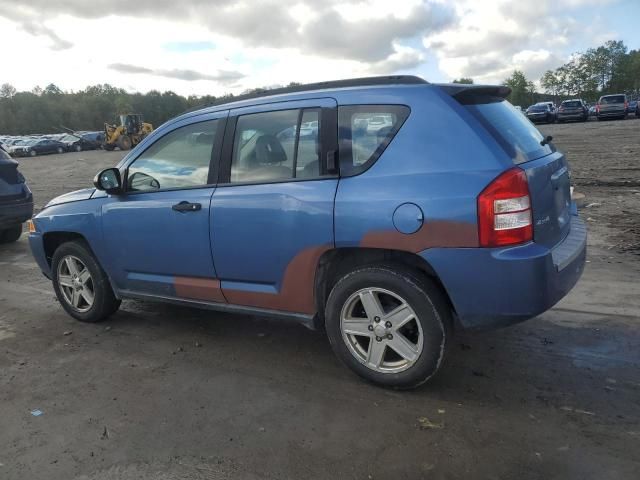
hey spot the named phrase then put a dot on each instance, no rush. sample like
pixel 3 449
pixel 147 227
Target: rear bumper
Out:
pixel 15 212
pixel 612 113
pixel 491 288
pixel 572 115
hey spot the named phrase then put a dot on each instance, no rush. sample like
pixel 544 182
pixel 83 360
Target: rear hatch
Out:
pixel 10 179
pixel 570 108
pixel 612 104
pixel 546 169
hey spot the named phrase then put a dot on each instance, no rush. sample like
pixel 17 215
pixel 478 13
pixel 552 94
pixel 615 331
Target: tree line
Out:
pixel 50 109
pixel 609 68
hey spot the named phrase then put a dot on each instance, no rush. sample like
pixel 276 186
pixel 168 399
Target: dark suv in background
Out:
pixel 542 113
pixel 16 200
pixel 612 106
pixel 575 109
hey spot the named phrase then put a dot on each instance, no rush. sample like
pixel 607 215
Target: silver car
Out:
pixel 612 106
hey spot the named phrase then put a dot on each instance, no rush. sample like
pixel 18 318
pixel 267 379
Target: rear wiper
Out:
pixel 546 140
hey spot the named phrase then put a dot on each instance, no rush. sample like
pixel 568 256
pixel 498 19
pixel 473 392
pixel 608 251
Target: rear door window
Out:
pixel 364 132
pixel 519 138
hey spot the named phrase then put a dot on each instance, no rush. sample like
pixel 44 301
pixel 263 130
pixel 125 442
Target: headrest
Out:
pixel 269 150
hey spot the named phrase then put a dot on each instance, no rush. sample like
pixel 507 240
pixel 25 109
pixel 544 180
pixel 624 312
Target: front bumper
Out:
pixel 494 287
pixel 15 212
pixel 37 249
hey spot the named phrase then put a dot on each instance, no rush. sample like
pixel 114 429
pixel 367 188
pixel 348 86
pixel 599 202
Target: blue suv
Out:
pixel 387 211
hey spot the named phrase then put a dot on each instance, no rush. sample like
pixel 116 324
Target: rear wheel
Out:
pixel 124 142
pixel 388 325
pixel 11 234
pixel 32 153
pixel 78 148
pixel 59 150
pixel 82 287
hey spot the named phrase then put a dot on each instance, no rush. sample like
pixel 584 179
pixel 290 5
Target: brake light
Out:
pixel 626 105
pixel 598 107
pixel 504 211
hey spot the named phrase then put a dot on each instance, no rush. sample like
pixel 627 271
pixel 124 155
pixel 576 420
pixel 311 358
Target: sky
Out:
pixel 199 47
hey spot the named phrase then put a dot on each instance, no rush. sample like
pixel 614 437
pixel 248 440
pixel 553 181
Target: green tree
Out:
pixel 464 80
pixel 7 90
pixel 522 90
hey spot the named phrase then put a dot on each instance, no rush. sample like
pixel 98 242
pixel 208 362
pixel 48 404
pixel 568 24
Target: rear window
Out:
pixel 518 137
pixel 364 131
pixel 539 108
pixel 612 99
pixel 572 104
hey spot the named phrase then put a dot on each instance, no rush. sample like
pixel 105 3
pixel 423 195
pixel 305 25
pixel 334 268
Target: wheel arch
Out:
pixel 337 262
pixel 52 240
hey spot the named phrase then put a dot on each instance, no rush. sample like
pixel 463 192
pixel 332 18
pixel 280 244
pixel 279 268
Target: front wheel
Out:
pixel 59 150
pixel 82 287
pixel 78 148
pixel 389 325
pixel 32 153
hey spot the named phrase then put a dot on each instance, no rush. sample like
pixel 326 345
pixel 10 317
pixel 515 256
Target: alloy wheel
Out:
pixel 381 330
pixel 76 283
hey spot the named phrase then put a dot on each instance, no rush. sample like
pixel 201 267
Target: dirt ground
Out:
pixel 161 392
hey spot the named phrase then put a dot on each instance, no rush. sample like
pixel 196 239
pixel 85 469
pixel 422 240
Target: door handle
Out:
pixel 186 207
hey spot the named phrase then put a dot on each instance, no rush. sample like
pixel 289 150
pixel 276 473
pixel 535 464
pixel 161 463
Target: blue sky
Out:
pixel 195 48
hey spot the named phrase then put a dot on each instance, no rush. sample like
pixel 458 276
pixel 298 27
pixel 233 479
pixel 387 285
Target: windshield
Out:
pixel 612 99
pixel 519 138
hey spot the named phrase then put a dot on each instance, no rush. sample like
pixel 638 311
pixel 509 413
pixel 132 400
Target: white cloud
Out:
pixel 267 42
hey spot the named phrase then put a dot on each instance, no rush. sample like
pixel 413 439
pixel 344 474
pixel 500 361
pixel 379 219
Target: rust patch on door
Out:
pixel 298 286
pixel 199 289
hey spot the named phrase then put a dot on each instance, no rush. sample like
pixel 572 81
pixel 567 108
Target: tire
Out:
pixel 59 150
pixel 430 319
pixel 104 301
pixel 33 153
pixel 11 234
pixel 108 147
pixel 124 142
pixel 78 148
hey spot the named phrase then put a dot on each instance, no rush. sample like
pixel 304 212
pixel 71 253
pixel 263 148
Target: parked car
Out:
pixel 541 113
pixel 612 106
pixel 575 109
pixel 387 240
pixel 78 143
pixel 16 200
pixel 35 147
pixel 634 107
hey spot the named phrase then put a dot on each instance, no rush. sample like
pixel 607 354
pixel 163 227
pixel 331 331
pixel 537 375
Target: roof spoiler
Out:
pixel 461 91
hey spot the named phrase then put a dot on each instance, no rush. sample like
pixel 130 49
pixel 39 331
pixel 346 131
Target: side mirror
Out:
pixel 108 180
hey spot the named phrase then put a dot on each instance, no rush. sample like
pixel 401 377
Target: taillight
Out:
pixel 597 108
pixel 504 211
pixel 626 105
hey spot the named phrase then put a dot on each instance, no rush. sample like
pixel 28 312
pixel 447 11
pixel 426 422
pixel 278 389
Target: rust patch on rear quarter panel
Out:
pixel 438 233
pixel 199 289
pixel 297 292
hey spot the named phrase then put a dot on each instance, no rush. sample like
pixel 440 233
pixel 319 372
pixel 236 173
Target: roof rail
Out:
pixel 352 82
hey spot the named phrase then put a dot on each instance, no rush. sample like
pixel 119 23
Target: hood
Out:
pixel 84 194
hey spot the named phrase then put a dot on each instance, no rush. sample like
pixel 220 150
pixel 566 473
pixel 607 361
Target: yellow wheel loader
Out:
pixel 128 134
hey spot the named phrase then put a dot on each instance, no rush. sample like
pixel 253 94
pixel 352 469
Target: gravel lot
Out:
pixel 162 392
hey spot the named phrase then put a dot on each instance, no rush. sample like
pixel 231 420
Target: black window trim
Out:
pixel 214 161
pixel 327 123
pixel 345 113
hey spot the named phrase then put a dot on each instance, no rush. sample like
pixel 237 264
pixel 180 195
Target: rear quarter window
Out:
pixel 518 137
pixel 364 132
